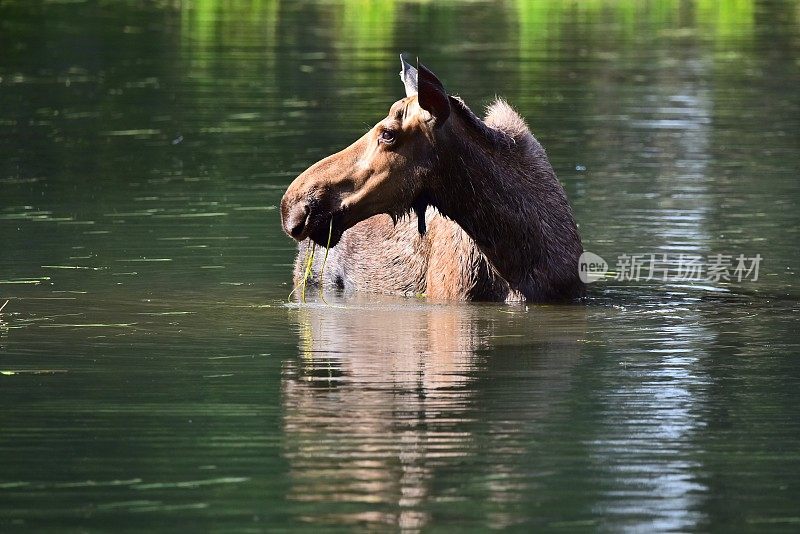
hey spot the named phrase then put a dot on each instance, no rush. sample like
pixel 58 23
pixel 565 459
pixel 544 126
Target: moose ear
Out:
pixel 432 96
pixel 409 76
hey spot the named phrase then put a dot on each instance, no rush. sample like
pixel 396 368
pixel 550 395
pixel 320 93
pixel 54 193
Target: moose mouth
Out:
pixel 326 230
pixel 313 219
pixel 325 226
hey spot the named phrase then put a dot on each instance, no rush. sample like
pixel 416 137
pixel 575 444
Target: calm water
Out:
pixel 153 376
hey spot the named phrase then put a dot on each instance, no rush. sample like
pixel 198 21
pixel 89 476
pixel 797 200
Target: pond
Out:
pixel 154 376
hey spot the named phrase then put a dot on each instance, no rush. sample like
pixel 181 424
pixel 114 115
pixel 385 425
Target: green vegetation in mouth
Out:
pixel 306 274
pixel 325 260
pixel 309 264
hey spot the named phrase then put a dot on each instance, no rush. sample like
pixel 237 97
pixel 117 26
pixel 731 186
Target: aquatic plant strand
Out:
pixel 324 261
pixel 306 274
pixel 309 263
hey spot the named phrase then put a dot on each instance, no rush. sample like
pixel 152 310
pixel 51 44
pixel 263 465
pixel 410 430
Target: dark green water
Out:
pixel 153 377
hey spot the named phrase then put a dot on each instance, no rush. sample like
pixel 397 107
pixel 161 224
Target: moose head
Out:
pixel 387 170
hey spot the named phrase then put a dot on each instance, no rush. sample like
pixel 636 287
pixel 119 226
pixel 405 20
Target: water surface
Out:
pixel 154 377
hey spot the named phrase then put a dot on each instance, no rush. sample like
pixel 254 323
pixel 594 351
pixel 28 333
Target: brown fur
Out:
pixel 499 226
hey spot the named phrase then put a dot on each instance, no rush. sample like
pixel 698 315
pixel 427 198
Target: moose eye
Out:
pixel 387 136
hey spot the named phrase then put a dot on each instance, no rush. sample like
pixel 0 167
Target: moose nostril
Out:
pixel 296 222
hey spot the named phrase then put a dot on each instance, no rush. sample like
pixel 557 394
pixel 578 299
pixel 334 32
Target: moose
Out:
pixel 493 222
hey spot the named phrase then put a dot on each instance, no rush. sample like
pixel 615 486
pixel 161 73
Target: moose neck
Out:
pixel 485 188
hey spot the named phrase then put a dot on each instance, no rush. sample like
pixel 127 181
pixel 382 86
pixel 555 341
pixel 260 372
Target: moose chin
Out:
pixel 435 200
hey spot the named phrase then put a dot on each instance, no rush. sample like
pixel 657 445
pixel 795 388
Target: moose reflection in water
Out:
pixel 385 399
pixel 492 220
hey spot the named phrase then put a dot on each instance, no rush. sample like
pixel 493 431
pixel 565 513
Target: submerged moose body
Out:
pixel 491 221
